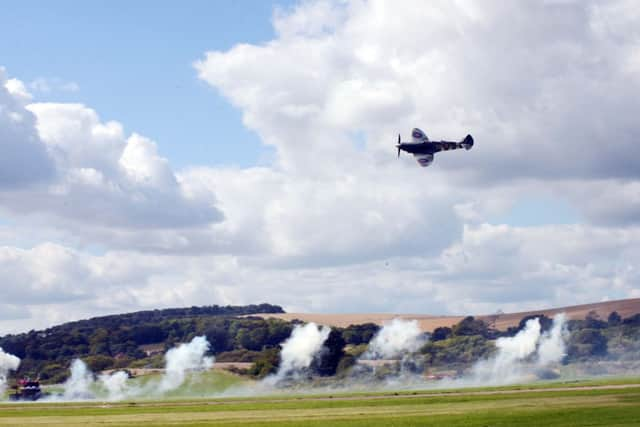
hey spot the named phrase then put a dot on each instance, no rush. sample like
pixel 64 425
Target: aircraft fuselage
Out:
pixel 420 147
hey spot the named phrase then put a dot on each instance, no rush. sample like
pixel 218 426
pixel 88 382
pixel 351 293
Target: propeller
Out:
pixel 398 145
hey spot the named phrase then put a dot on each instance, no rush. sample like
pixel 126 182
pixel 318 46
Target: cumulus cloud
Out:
pixel 549 90
pixel 337 219
pixel 54 284
pixel 48 85
pixel 540 85
pixel 103 179
pixel 25 159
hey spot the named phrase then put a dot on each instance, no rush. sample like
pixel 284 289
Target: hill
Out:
pixel 139 339
pixel 252 335
pixel 503 321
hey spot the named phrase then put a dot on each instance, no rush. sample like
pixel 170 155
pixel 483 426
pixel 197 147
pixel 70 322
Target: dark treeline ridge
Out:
pixel 148 316
pixel 591 338
pixel 118 340
pixel 139 340
pixel 458 347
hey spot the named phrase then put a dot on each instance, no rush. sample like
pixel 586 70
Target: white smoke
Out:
pixel 519 356
pixel 8 362
pixel 552 344
pixel 116 385
pixel 182 359
pixel 300 349
pixel 82 385
pixel 396 338
pixel 79 384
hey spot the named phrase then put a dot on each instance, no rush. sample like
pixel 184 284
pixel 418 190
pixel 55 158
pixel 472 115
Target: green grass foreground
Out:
pixel 594 405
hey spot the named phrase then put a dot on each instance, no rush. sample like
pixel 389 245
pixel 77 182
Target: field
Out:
pixel 428 323
pixel 601 403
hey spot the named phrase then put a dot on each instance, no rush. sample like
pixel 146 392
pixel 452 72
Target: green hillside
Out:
pixel 139 340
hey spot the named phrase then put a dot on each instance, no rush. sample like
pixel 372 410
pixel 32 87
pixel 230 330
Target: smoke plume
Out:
pixel 78 386
pixel 521 355
pixel 552 344
pixel 182 359
pixel 395 339
pixel 299 350
pixel 8 362
pixel 116 385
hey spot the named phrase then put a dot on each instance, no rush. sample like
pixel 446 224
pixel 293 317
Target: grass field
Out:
pixel 589 404
pixel 197 385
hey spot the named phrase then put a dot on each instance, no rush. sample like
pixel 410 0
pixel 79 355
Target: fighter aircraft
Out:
pixel 423 149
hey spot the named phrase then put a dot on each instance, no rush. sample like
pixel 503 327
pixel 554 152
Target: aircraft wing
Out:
pixel 424 160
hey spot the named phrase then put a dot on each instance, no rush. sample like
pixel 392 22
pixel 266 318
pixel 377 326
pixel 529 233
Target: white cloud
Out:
pixel 549 90
pixel 104 179
pixel 551 266
pixel 17 89
pixel 24 159
pixel 47 85
pixel 544 87
pixel 535 83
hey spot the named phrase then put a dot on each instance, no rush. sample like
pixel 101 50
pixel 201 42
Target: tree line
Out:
pixel 121 341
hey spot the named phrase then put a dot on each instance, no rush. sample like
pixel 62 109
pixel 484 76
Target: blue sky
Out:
pixel 543 211
pixel 133 62
pixel 535 210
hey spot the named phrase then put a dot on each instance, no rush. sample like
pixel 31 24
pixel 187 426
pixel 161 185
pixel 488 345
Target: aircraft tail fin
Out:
pixel 467 142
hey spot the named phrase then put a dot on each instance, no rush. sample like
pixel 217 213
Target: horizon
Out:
pixel 573 310
pixel 159 156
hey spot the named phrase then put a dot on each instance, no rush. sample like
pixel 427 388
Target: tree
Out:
pixel 327 363
pixel 218 338
pixel 593 321
pixel 278 332
pixel 614 319
pixel 99 342
pixel 257 339
pixel 545 322
pixel 470 326
pixel 345 363
pixel 99 362
pixel 586 343
pixel 441 333
pixel 632 320
pixel 457 350
pixel 266 364
pixel 148 334
pixel 359 334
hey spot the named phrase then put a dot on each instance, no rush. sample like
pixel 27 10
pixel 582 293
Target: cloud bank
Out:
pixel 549 90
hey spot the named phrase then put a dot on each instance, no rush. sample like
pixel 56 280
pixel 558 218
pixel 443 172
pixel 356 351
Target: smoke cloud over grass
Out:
pixel 79 384
pixel 179 362
pixel 520 356
pixel 395 339
pixel 552 344
pixel 116 385
pixel 299 350
pixel 183 359
pixel 8 362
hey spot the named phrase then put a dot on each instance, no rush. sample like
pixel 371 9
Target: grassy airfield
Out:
pixel 600 403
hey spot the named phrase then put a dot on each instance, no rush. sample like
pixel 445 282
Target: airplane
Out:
pixel 423 149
